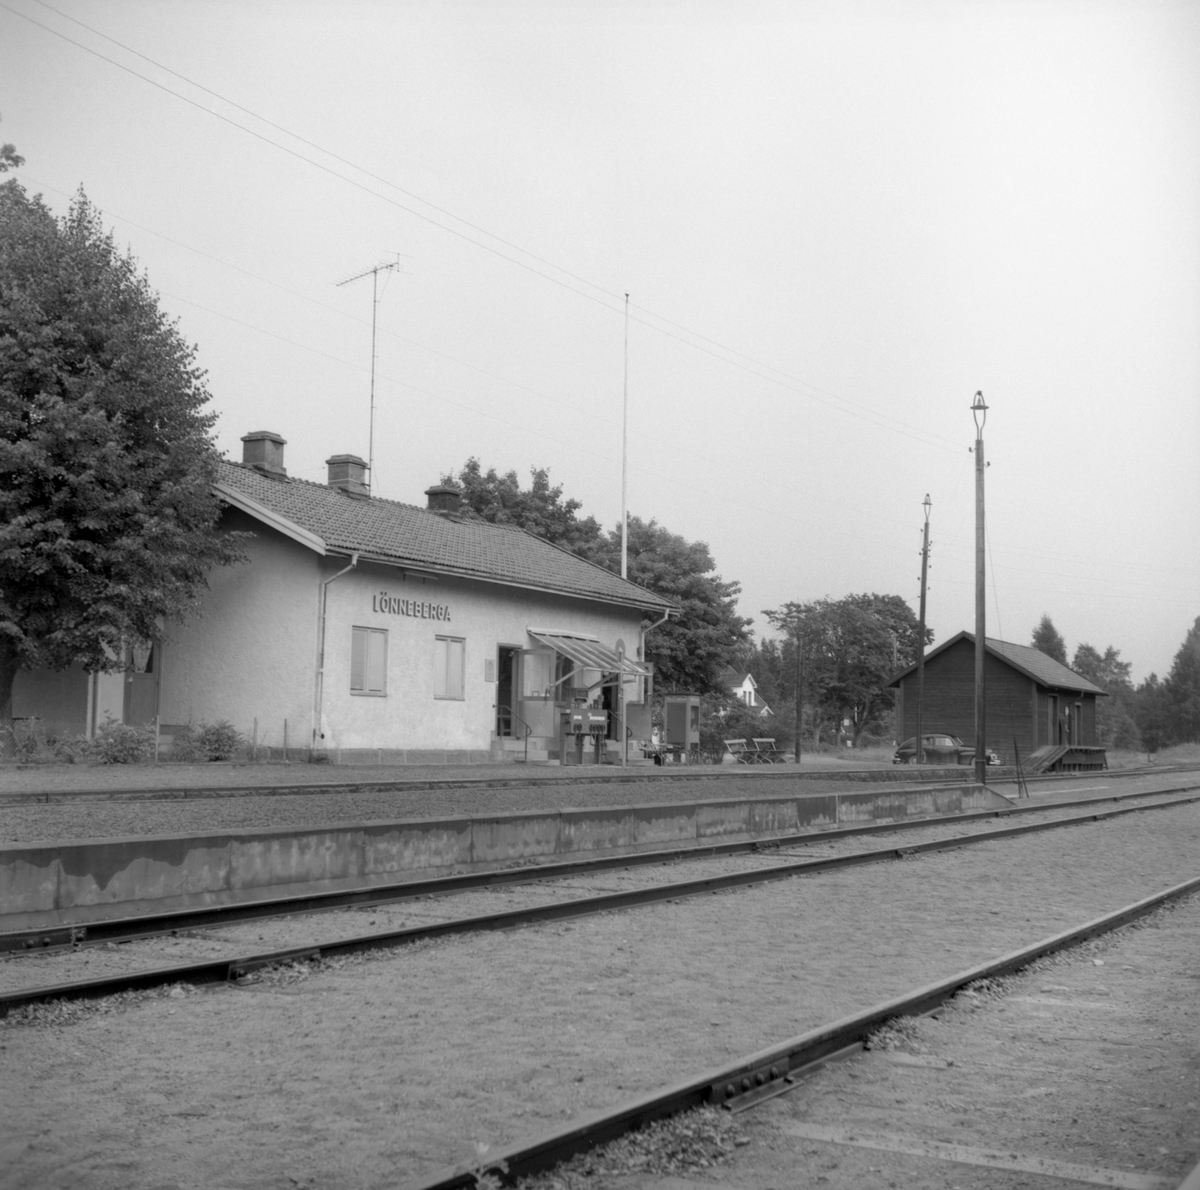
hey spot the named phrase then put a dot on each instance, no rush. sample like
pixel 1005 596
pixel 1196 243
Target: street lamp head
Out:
pixel 979 412
pixel 927 504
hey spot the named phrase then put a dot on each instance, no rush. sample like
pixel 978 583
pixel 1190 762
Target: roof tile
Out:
pixel 405 534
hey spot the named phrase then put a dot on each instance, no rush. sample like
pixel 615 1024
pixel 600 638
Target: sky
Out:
pixel 835 224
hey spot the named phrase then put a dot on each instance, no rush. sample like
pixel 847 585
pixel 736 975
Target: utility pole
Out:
pixel 799 689
pixel 979 412
pixel 926 504
pixel 373 273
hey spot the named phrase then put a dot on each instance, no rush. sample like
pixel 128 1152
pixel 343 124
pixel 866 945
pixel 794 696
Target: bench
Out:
pixel 742 752
pixel 767 752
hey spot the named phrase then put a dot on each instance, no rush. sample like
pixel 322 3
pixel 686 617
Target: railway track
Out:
pixel 126 929
pixel 239 967
pixel 752 1079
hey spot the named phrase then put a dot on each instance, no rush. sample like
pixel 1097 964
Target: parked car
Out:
pixel 940 748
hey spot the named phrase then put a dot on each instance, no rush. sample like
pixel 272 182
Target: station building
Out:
pixel 371 631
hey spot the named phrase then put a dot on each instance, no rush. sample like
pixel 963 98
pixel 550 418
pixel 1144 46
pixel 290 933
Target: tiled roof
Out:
pixel 403 534
pixel 1033 663
pixel 1040 667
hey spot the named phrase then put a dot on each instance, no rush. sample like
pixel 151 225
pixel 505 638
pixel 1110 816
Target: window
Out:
pixel 368 661
pixel 448 657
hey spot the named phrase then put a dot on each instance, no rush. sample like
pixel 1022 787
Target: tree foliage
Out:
pixel 1183 689
pixel 691 649
pixel 849 648
pixel 539 509
pixel 1152 712
pixel 1116 726
pixel 107 518
pixel 1047 639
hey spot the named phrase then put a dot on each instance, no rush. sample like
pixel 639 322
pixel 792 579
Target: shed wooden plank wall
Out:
pixel 950 701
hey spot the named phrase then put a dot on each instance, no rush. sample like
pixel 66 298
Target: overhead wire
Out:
pixel 608 300
pixel 750 365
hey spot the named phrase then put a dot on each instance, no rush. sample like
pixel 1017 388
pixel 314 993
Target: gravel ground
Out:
pixel 379 1070
pixel 25 823
pixel 23 778
pixel 1091 1057
pixel 38 969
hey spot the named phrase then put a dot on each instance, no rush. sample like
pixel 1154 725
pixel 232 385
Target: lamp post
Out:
pixel 979 412
pixel 926 504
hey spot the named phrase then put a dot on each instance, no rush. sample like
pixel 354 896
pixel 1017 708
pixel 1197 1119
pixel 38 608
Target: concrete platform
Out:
pixel 78 881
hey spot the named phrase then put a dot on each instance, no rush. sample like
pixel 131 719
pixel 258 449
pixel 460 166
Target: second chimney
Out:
pixel 263 450
pixel 444 498
pixel 348 473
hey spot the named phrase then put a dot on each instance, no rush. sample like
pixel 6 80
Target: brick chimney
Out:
pixel 444 499
pixel 263 450
pixel 348 473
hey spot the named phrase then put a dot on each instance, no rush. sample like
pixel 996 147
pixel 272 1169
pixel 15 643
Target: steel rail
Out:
pixel 227 970
pixel 125 929
pixel 894 775
pixel 774 1070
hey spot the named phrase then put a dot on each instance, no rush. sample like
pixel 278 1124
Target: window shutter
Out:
pixel 358 659
pixel 454 675
pixel 376 662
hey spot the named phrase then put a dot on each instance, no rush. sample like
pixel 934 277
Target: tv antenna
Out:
pixel 392 266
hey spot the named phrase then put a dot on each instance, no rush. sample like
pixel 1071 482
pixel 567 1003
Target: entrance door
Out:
pixel 506 690
pixel 141 684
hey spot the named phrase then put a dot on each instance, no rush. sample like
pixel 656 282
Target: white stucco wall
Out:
pixel 485 615
pixel 251 652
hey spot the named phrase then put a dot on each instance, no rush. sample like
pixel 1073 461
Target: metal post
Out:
pixel 979 409
pixel 927 505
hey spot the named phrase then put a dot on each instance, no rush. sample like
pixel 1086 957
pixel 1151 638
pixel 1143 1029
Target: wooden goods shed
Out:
pixel 1034 704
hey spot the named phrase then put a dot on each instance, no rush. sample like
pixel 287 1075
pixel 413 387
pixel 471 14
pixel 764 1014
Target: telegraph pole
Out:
pixel 979 412
pixel 373 273
pixel 799 688
pixel 927 504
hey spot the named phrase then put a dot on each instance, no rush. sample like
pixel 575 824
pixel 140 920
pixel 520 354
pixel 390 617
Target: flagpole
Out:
pixel 625 453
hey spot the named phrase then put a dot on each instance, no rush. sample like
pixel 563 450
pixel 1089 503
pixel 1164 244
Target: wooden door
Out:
pixel 141 685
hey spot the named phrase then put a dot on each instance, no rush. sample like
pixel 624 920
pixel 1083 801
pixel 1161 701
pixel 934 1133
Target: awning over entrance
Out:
pixel 587 652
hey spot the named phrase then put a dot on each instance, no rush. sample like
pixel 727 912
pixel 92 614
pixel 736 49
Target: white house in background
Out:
pixel 741 685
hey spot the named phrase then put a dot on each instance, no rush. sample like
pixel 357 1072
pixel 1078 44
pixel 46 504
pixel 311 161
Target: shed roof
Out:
pixel 324 518
pixel 1033 663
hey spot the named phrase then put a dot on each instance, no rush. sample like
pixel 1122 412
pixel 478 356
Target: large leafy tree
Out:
pixel 691 649
pixel 539 509
pixel 1046 638
pixel 107 519
pixel 849 648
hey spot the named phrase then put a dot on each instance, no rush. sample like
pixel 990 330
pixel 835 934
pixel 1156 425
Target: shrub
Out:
pixel 185 746
pixel 116 743
pixel 210 741
pixel 219 741
pixel 33 741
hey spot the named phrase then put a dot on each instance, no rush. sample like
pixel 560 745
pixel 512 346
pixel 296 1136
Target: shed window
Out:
pixel 448 657
pixel 368 661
